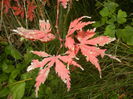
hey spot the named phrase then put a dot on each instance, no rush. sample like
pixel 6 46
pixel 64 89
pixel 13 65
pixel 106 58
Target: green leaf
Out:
pixel 126 35
pixel 7 68
pixel 111 6
pixel 97 24
pixel 110 30
pixel 21 66
pixel 48 91
pixel 121 17
pixel 111 20
pixel 4 92
pixel 122 13
pixel 26 75
pixel 119 33
pixel 100 23
pixel 14 74
pixel 104 12
pixel 10 50
pixel 28 57
pixel 3 77
pixel 18 90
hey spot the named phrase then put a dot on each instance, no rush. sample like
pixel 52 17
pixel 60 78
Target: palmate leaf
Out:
pixel 90 49
pixel 43 35
pixel 121 17
pixel 49 61
pixel 86 45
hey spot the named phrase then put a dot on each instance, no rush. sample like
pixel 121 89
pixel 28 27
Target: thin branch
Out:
pixel 57 16
pixel 19 82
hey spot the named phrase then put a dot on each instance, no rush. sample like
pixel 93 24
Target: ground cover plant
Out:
pixel 63 42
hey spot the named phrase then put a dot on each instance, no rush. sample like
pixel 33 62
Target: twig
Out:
pixel 19 82
pixel 57 16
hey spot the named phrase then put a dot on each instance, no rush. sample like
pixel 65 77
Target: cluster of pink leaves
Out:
pixel 88 47
pixel 85 42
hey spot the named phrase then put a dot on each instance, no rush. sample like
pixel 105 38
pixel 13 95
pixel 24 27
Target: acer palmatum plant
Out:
pixel 77 39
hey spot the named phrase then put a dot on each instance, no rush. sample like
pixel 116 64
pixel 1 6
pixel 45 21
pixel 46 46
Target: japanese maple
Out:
pixel 77 39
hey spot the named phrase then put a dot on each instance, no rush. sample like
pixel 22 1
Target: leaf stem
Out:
pixel 57 25
pixel 57 16
pixel 19 82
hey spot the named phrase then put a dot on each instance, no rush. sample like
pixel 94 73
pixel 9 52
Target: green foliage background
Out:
pixel 113 18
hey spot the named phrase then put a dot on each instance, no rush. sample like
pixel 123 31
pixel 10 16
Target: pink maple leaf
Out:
pixel 43 35
pixel 77 24
pixel 86 44
pixel 92 52
pixel 49 60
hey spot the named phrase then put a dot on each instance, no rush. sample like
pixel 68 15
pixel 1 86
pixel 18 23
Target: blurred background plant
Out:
pixel 113 18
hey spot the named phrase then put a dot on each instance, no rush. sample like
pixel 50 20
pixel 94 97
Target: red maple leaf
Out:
pixel 49 61
pixel 6 5
pixel 43 35
pixel 30 13
pixel 18 11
